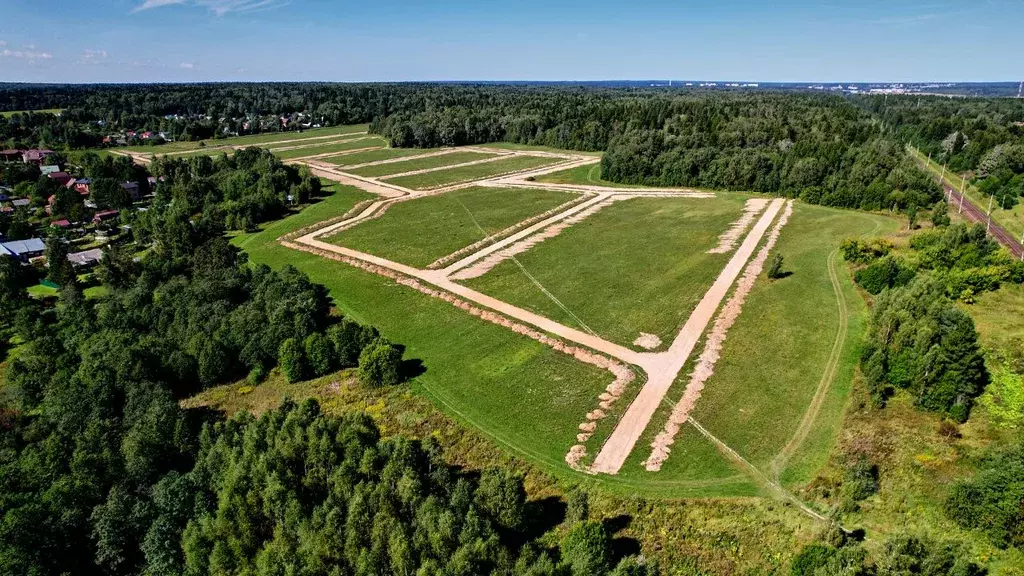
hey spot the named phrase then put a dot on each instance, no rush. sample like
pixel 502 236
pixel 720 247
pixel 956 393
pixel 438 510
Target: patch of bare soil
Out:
pixel 647 341
pixel 661 447
pixel 727 241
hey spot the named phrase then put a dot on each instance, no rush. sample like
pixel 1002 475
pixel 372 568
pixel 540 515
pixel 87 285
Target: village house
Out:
pixel 10 155
pixel 86 258
pixel 104 216
pixel 133 189
pixel 37 157
pixel 62 178
pixel 23 250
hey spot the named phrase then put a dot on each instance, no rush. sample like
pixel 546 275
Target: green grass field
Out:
pixel 46 111
pixel 376 155
pixel 468 173
pixel 777 351
pixel 417 232
pixel 253 140
pixel 638 265
pixel 420 164
pixel 354 144
pixel 588 175
pixel 480 373
pixel 529 147
pixel 1012 220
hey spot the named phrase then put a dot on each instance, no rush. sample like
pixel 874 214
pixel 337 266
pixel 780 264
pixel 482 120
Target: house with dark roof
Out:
pixel 133 189
pixel 10 155
pixel 24 250
pixel 21 202
pixel 82 186
pixel 61 177
pixel 104 216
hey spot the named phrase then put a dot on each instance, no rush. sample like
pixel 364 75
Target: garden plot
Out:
pixel 424 163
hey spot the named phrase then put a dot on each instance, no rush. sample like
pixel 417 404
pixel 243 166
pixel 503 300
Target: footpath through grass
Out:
pixel 586 175
pixel 638 265
pixel 418 232
pixel 441 178
pixel 1012 220
pixel 420 164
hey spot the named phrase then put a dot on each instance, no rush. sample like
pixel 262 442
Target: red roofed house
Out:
pixel 61 177
pixel 61 223
pixel 37 157
pixel 82 186
pixel 104 216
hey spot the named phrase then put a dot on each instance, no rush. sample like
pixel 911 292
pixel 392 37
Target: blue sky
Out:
pixel 390 40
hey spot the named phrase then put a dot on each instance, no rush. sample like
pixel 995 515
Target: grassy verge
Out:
pixel 420 164
pixel 418 232
pixel 46 111
pixel 376 155
pixel 587 175
pixel 468 173
pixel 638 265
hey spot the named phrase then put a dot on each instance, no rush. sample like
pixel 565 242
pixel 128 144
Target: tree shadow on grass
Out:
pixel 410 367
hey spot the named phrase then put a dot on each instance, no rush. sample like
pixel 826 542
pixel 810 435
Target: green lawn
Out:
pixel 468 173
pixel 376 155
pixel 1012 220
pixel 252 140
pixel 639 265
pixel 418 232
pixel 777 351
pixel 368 142
pixel 419 164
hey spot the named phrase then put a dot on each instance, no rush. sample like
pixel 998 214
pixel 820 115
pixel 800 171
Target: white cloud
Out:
pixel 91 56
pixel 30 54
pixel 187 65
pixel 218 7
pixel 2 43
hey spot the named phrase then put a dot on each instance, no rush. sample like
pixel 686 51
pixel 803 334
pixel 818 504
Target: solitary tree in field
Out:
pixel 775 267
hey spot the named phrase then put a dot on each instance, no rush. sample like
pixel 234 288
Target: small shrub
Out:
pixel 319 354
pixel 775 267
pixel 577 506
pixel 949 430
pixel 257 375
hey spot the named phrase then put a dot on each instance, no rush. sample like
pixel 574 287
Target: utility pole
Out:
pixel 989 225
pixel 1022 240
pixel 942 179
pixel 963 182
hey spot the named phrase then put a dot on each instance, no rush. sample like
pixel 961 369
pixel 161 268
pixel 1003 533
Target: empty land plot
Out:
pixel 254 139
pixel 467 173
pixel 586 175
pixel 637 266
pixel 420 164
pixel 777 352
pixel 479 372
pixel 417 232
pixel 353 144
pixel 535 148
pixel 376 155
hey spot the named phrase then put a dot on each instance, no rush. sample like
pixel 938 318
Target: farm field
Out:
pixel 588 175
pixel 376 155
pixel 46 111
pixel 441 178
pixel 254 139
pixel 638 266
pixel 479 373
pixel 351 144
pixel 412 164
pixel 534 148
pixel 420 231
pixel 776 354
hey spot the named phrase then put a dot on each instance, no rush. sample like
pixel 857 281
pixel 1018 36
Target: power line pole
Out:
pixel 963 182
pixel 989 225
